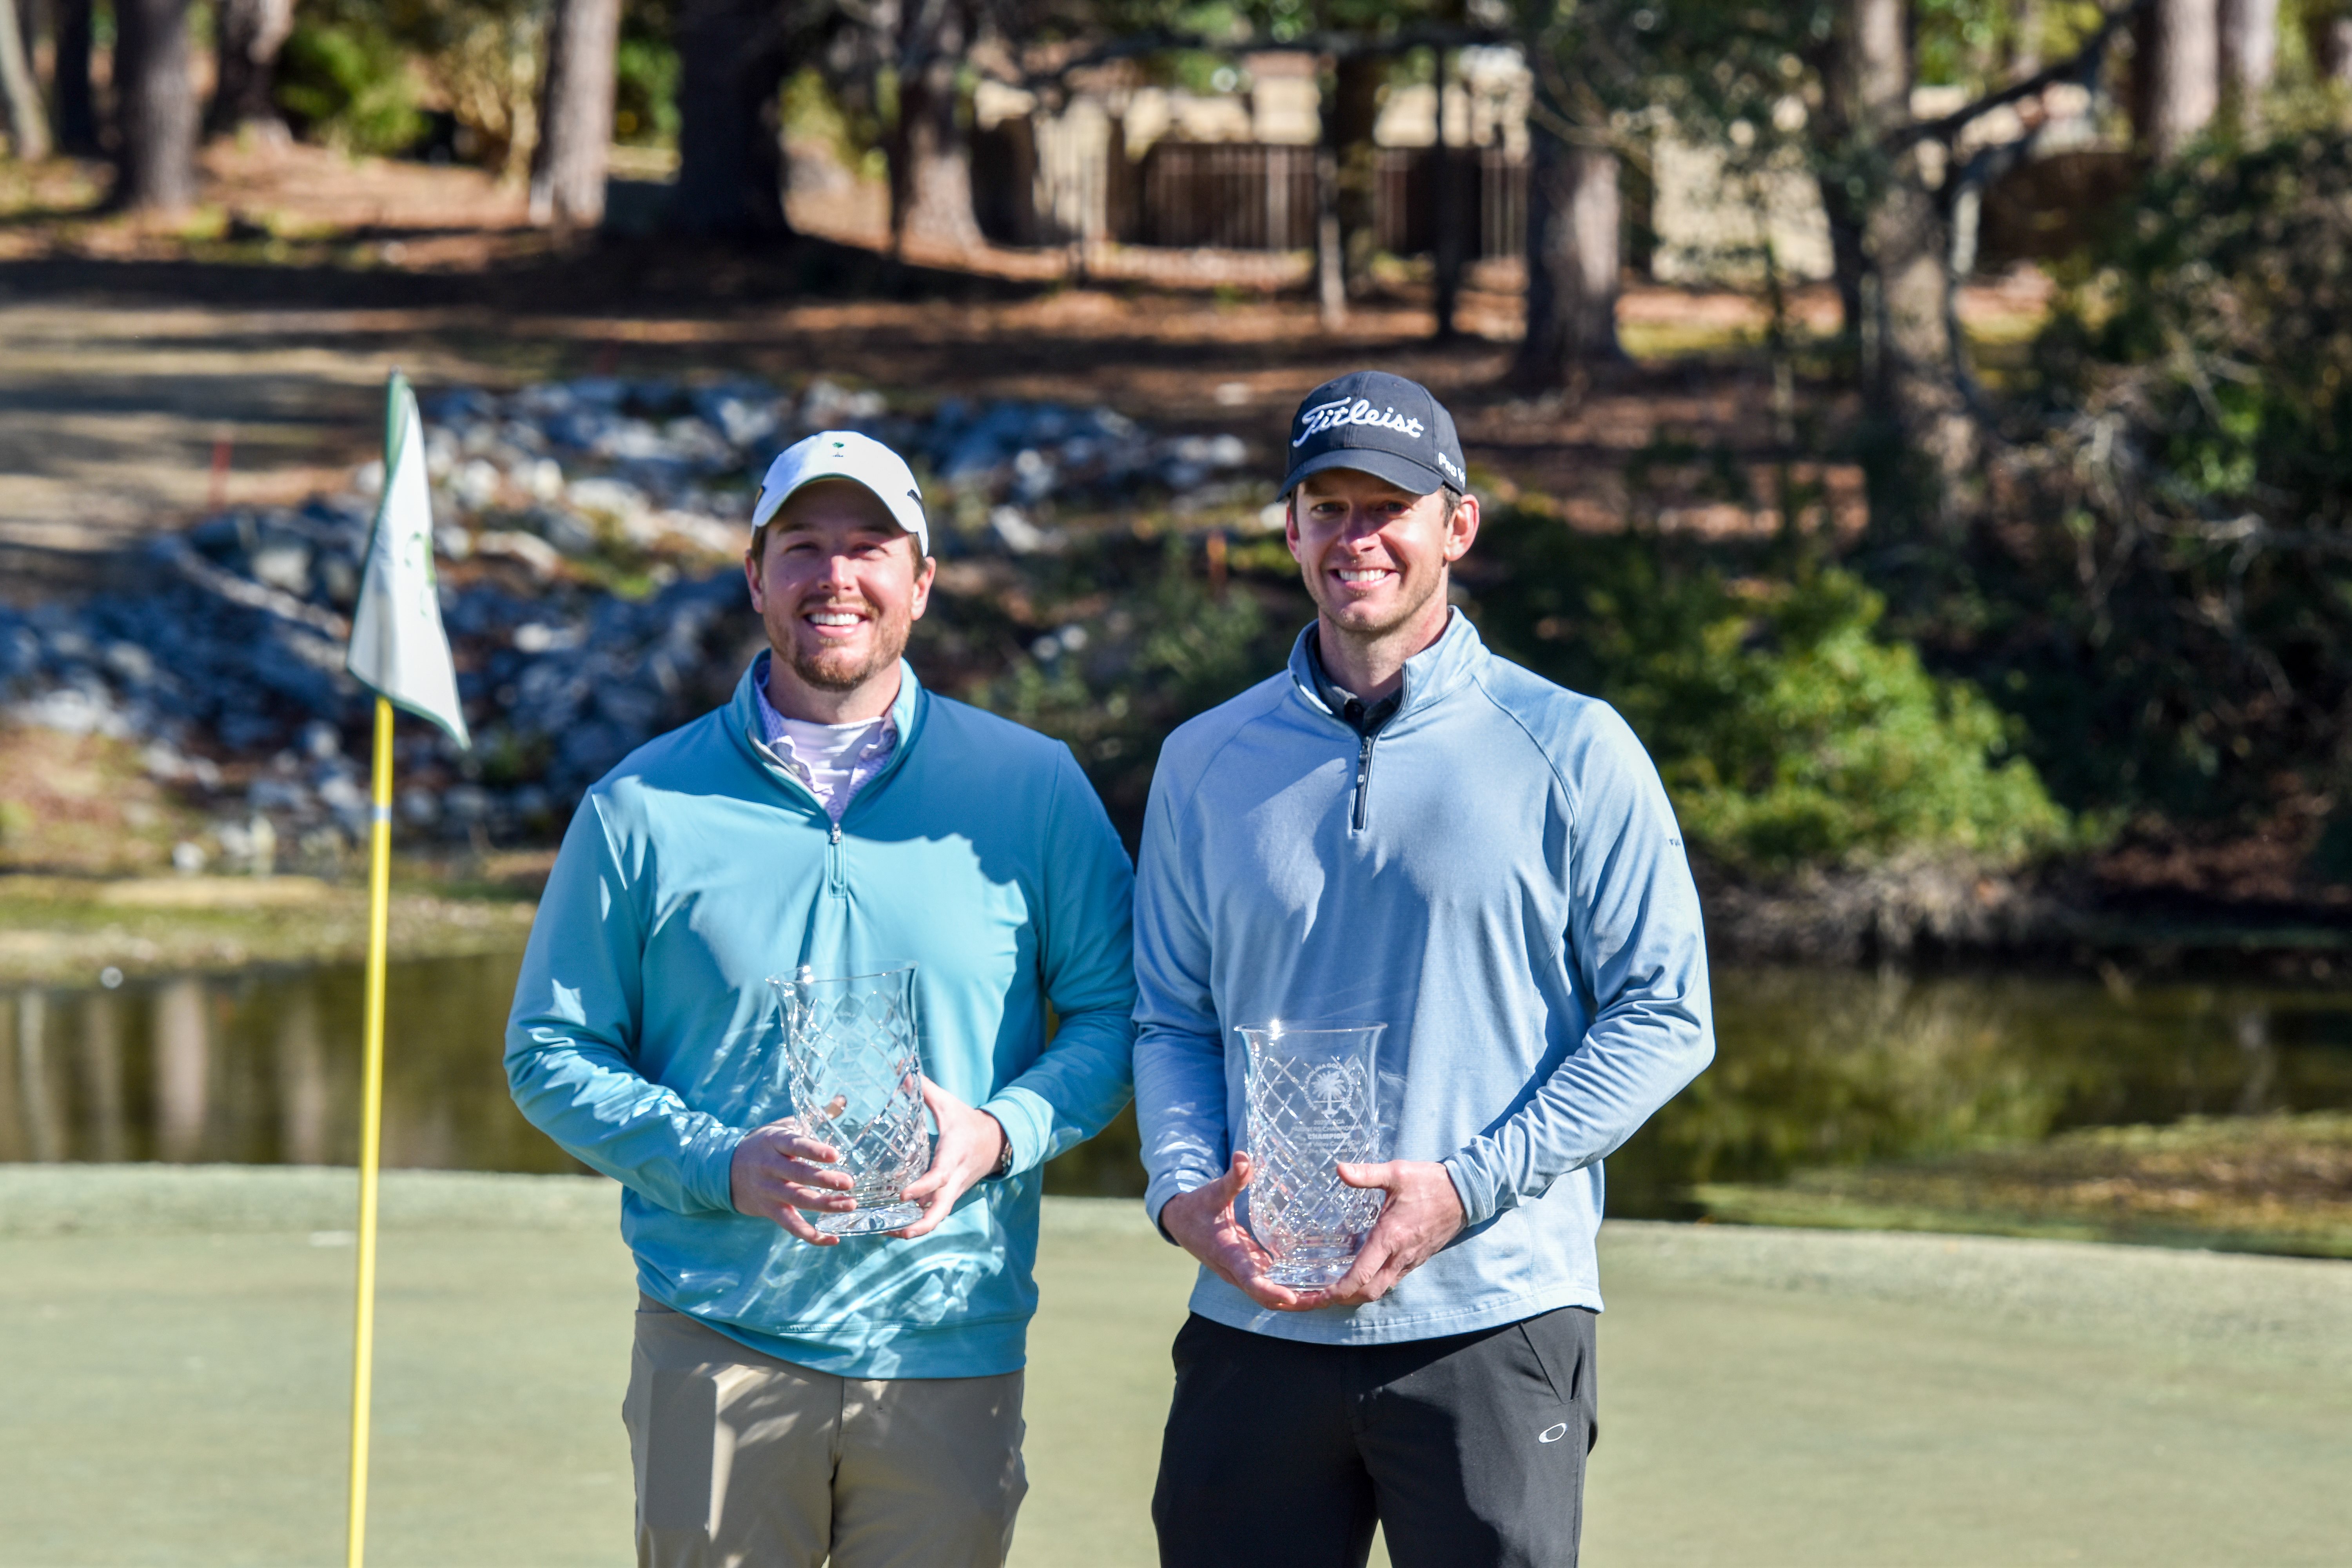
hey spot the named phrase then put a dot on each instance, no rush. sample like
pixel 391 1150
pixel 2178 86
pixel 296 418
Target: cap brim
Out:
pixel 1420 478
pixel 769 505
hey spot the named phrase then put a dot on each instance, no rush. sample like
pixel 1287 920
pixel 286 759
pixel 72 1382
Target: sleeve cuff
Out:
pixel 1028 1123
pixel 1474 1188
pixel 711 1180
pixel 1172 1185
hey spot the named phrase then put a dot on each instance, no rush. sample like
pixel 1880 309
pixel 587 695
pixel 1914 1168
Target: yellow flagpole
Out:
pixel 371 1123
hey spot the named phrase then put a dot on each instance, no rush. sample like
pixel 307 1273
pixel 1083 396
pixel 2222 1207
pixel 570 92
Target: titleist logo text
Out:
pixel 1315 421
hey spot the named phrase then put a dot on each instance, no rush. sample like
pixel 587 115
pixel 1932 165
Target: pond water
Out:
pixel 1814 1067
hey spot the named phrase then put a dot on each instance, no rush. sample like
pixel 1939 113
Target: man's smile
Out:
pixel 835 621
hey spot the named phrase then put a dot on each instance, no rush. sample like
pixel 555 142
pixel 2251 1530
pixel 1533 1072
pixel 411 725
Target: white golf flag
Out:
pixel 399 649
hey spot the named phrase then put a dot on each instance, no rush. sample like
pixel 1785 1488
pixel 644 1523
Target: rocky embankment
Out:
pixel 588 541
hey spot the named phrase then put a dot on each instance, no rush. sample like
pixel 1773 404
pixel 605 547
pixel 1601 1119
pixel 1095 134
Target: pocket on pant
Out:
pixel 1554 1379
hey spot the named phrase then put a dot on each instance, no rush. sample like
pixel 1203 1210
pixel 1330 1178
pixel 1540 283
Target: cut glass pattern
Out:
pixel 854 1063
pixel 1311 1106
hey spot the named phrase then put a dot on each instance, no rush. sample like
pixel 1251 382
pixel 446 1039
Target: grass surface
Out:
pixel 175 1388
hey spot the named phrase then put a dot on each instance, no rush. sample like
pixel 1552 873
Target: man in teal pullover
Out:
pixel 792 1393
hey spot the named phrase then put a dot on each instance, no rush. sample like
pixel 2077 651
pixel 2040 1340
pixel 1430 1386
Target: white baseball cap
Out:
pixel 845 455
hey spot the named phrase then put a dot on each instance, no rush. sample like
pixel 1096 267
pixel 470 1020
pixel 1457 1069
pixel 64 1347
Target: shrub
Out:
pixel 348 84
pixel 1790 730
pixel 645 92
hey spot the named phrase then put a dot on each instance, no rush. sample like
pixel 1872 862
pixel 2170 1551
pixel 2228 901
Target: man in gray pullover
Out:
pixel 1402 828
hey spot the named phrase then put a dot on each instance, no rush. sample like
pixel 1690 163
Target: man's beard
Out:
pixel 841 670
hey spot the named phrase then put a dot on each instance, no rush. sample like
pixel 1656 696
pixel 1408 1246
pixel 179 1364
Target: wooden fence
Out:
pixel 1405 207
pixel 1225 196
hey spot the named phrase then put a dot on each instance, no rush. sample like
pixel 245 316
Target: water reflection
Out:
pixel 1814 1067
pixel 1820 1069
pixel 263 1069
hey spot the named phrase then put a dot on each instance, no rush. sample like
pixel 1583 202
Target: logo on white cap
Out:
pixel 845 455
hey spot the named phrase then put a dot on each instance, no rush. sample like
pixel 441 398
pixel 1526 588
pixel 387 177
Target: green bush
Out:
pixel 1790 730
pixel 348 84
pixel 645 92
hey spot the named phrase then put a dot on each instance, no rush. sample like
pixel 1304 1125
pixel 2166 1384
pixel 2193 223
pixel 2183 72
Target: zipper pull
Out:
pixel 836 833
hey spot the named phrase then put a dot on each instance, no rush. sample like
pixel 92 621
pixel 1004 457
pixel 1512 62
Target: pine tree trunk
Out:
pixel 2328 29
pixel 575 120
pixel 1903 291
pixel 1348 123
pixel 930 153
pixel 731 163
pixel 156 100
pixel 250 32
pixel 1846 261
pixel 2248 56
pixel 28 124
pixel 1331 263
pixel 2176 74
pixel 1573 213
pixel 77 100
pixel 1454 177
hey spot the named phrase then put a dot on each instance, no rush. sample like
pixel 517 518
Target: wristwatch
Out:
pixel 1004 1155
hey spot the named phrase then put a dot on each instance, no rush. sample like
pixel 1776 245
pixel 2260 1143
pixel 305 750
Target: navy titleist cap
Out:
pixel 1380 425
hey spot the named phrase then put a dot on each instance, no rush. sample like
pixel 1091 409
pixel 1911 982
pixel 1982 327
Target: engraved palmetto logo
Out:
pixel 853 1065
pixel 1311 1097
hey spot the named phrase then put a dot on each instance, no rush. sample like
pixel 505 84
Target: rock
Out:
pixel 570 534
pixel 466 803
pixel 613 500
pixel 529 549
pixel 1019 535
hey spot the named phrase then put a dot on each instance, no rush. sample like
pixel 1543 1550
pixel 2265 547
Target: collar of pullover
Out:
pixel 750 731
pixel 1429 675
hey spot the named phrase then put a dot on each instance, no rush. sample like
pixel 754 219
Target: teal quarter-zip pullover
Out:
pixel 645 1040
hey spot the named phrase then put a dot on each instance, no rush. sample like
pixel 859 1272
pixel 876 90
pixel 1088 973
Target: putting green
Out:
pixel 175 1386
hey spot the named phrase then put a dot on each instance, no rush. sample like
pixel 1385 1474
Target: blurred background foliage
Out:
pixel 2163 600
pixel 372 76
pixel 2124 606
pixel 1789 728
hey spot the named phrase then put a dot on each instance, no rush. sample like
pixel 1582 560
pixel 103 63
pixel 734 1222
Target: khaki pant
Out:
pixel 746 1461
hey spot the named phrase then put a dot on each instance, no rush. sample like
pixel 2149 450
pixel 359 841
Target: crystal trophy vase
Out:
pixel 854 1068
pixel 1310 1093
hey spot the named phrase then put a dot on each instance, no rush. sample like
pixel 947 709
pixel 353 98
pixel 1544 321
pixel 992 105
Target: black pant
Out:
pixel 1469 1450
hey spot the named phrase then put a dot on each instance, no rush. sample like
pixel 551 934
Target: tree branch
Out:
pixel 2084 61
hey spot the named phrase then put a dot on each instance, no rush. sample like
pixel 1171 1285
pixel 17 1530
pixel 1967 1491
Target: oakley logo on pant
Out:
pixel 1552 1434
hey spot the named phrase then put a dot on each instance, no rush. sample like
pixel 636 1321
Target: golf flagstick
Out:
pixel 400 652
